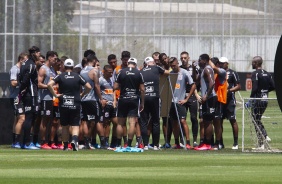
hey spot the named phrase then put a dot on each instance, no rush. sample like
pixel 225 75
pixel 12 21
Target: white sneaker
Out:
pixel 267 139
pixel 259 148
pixel 146 148
pixel 81 146
pixel 235 147
pixel 156 148
pixel 181 145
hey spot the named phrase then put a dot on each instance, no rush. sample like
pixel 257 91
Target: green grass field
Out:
pixel 164 166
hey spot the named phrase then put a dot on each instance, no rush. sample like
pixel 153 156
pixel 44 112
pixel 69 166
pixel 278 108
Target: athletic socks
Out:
pixel 35 139
pixel 139 140
pixel 188 142
pixel 235 140
pixel 113 142
pixel 93 141
pixel 66 145
pixel 176 141
pixel 125 139
pixel 17 138
pixel 118 142
pixel 102 141
pixel 75 138
pixel 129 142
pixel 14 138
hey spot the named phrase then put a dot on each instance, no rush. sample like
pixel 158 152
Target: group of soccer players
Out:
pixel 67 104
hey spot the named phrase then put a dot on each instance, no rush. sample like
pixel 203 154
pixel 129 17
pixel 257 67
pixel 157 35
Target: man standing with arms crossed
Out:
pixel 131 102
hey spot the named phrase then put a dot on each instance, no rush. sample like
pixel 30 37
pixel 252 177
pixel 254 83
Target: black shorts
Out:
pixel 128 108
pixel 70 116
pixel 200 111
pixel 109 112
pixel 218 110
pixel 17 106
pixel 181 110
pixel 90 111
pixel 192 105
pixel 208 109
pixel 56 112
pixel 229 109
pixel 30 104
pixel 46 108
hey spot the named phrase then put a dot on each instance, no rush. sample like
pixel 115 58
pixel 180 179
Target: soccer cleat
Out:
pixel 141 146
pixel 195 144
pixel 235 147
pixel 60 146
pixel 259 147
pixel 74 145
pixel 166 145
pixel 176 146
pixel 125 145
pixel 37 145
pixel 45 146
pixel 146 148
pixel 267 139
pixel 203 147
pixel 188 147
pixel 97 146
pixel 150 146
pixel 69 146
pixel 81 146
pixel 53 146
pixel 156 148
pixel 16 145
pixel 31 146
pixel 214 148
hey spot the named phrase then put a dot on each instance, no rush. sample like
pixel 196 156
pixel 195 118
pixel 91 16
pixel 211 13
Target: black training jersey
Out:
pixel 69 86
pixel 151 75
pixel 129 80
pixel 262 84
pixel 28 79
pixel 233 79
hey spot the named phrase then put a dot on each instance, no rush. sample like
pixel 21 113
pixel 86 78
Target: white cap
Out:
pixel 223 60
pixel 148 59
pixel 132 60
pixel 69 62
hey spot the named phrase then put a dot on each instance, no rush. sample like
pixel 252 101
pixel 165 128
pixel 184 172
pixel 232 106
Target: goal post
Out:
pixel 261 125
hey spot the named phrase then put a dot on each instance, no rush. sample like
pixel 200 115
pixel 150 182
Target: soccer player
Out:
pixel 125 55
pixel 262 84
pixel 155 56
pixel 131 84
pixel 179 100
pixel 151 74
pixel 17 105
pixel 90 105
pixel 220 88
pixel 192 103
pixel 229 109
pixel 69 101
pixel 167 126
pixel 208 99
pixel 45 74
pixel 109 111
pixel 29 95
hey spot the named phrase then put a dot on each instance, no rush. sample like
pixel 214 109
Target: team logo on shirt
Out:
pixel 129 73
pixel 69 77
pixel 68 102
pixel 149 89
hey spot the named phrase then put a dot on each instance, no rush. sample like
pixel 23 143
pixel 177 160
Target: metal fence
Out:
pixel 237 29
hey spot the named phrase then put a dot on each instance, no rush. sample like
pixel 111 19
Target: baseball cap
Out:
pixel 148 59
pixel 132 60
pixel 223 60
pixel 69 62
